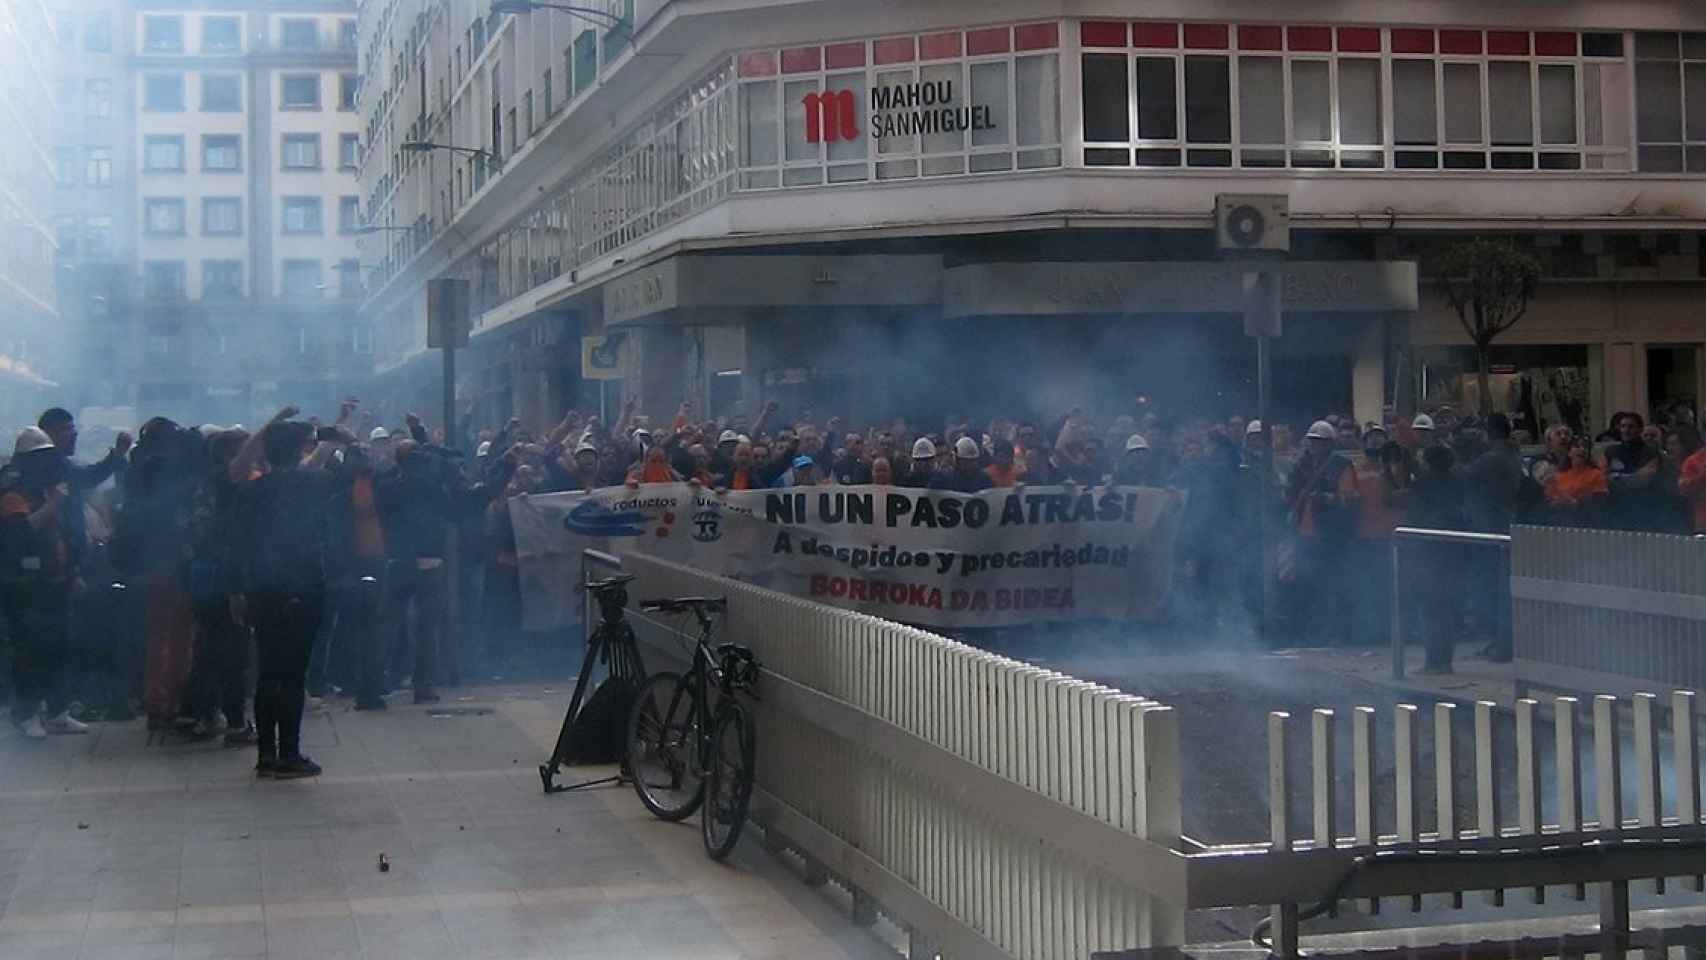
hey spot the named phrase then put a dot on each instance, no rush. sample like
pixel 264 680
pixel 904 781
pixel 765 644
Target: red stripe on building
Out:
pixel 1310 39
pixel 1261 38
pixel 759 64
pixel 994 40
pixel 1103 33
pixel 1207 36
pixel 1555 44
pixel 1412 41
pixel 1359 39
pixel 839 56
pixel 1460 41
pixel 1155 34
pixel 1507 43
pixel 1036 36
pixel 894 50
pixel 939 46
pixel 802 60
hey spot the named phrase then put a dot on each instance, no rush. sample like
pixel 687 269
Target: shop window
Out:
pixel 1670 97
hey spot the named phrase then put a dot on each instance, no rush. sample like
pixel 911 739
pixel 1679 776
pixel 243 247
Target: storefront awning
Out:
pixel 655 294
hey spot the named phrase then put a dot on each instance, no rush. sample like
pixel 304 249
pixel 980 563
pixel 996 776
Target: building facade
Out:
pixel 242 266
pixel 860 205
pixel 31 343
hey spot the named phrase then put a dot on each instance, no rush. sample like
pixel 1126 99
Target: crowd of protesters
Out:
pixel 307 559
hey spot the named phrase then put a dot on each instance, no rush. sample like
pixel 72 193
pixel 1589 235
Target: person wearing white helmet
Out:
pixel 917 472
pixel 1321 501
pixel 1137 465
pixel 36 585
pixel 968 475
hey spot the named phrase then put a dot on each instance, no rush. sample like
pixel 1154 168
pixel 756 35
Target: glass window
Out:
pixel 221 153
pixel 163 279
pixel 1415 104
pixel 346 34
pixel 98 231
pixel 1557 84
pixel 1157 99
pixel 1359 102
pixel 349 85
pixel 98 98
pixel 759 142
pixel 1311 101
pixel 1462 99
pixel 349 151
pixel 163 154
pixel 302 215
pixel 301 92
pixel 221 92
pixel 221 216
pixel 1510 103
pixel 163 215
pixel 302 278
pixel 1261 100
pixel 1694 95
pixel 585 60
pixel 1107 98
pixel 98 33
pixel 1036 82
pixel 163 91
pixel 1208 100
pixel 65 165
pixel 989 88
pixel 349 214
pixel 301 151
pixel 299 34
pixel 797 99
pixel 349 287
pixel 98 167
pixel 220 35
pixel 163 34
pixel 222 278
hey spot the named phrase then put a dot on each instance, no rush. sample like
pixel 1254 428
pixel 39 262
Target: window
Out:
pixel 301 92
pixel 163 216
pixel 221 92
pixel 298 34
pixel 221 216
pixel 163 91
pixel 221 153
pixel 301 214
pixel 221 279
pixel 220 35
pixel 349 214
pixel 302 278
pixel 162 34
pixel 349 85
pixel 361 334
pixel 349 287
pixel 1670 97
pixel 546 86
pixel 584 62
pixel 349 151
pixel 98 235
pixel 1261 111
pixel 98 33
pixel 65 165
pixel 163 279
pixel 163 153
pixel 1415 113
pixel 527 112
pixel 301 151
pixel 1360 123
pixel 98 98
pixel 98 167
pixel 346 34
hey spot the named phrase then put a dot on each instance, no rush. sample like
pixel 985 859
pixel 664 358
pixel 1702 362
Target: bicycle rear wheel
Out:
pixel 728 781
pixel 662 747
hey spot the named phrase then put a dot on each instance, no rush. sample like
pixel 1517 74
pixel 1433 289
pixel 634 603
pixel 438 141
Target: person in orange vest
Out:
pixel 1691 479
pixel 1321 497
pixel 1383 478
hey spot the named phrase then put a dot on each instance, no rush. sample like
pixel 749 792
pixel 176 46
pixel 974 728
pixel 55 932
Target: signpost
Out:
pixel 447 330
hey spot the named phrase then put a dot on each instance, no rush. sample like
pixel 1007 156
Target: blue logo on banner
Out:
pixel 590 518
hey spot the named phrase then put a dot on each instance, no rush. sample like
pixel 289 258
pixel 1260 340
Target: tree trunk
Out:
pixel 1485 383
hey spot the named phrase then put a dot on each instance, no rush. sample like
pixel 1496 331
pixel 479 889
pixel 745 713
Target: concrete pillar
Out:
pixel 1621 378
pixel 1368 371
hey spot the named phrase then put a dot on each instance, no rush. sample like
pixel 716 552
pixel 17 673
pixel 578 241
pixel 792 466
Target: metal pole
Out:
pixel 1269 544
pixel 452 633
pixel 1397 617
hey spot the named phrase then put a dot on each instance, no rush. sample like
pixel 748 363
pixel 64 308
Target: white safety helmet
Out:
pixel 483 449
pixel 1321 430
pixel 967 449
pixel 1422 422
pixel 1136 442
pixel 924 449
pixel 1253 427
pixel 31 439
pixel 378 434
pixel 728 436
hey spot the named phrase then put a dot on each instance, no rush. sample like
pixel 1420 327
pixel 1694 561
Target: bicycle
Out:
pixel 681 750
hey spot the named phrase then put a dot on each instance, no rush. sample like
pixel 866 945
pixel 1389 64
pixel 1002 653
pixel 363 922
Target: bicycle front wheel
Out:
pixel 728 781
pixel 663 746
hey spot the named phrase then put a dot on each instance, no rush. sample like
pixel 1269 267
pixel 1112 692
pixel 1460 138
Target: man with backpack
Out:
pixel 38 574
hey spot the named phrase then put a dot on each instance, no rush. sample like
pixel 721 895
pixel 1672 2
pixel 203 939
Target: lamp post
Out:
pixel 603 18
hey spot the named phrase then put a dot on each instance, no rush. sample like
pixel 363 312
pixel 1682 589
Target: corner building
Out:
pixel 859 207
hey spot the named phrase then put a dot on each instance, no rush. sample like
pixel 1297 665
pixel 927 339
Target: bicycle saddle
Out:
pixel 608 582
pixel 680 604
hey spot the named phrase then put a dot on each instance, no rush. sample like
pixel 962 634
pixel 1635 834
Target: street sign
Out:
pixel 601 358
pixel 1262 295
pixel 447 313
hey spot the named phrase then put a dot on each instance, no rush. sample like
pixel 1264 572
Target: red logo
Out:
pixel 832 115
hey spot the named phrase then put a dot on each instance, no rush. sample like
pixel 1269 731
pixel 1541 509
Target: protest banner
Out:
pixel 928 557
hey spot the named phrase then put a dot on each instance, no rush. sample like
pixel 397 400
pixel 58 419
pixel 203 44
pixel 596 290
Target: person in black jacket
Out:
pixel 416 507
pixel 282 537
pixel 221 643
pixel 1436 503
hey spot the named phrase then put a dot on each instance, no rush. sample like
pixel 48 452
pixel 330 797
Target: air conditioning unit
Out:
pixel 1250 223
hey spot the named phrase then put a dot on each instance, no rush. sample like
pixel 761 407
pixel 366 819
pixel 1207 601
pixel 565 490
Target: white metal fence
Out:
pixel 992 808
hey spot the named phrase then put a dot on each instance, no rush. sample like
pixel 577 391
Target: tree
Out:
pixel 1490 284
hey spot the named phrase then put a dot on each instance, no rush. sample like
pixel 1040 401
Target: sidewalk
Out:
pixel 112 849
pixel 1472 678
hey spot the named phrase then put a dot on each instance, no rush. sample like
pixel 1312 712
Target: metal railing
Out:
pixel 1400 537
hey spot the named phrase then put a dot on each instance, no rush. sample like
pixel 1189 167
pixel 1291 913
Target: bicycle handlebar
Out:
pixel 684 604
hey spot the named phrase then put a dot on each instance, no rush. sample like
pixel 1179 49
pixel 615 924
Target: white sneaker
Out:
pixel 33 729
pixel 65 723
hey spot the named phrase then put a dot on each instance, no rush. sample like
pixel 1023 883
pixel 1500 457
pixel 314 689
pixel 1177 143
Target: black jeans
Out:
pixel 424 589
pixel 221 659
pixel 285 625
pixel 40 618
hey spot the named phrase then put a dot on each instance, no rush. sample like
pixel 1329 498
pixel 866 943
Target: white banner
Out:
pixel 928 557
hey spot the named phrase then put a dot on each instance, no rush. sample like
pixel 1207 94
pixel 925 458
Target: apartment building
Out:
pixel 31 346
pixel 851 205
pixel 244 144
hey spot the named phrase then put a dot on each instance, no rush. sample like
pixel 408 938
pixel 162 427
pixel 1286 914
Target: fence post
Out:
pixel 1647 788
pixel 1608 779
pixel 1163 814
pixel 1685 741
pixel 1528 778
pixel 1284 927
pixel 1445 783
pixel 1487 782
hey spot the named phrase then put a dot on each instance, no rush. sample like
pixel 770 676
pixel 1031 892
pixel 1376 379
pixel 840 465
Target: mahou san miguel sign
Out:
pixel 900 110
